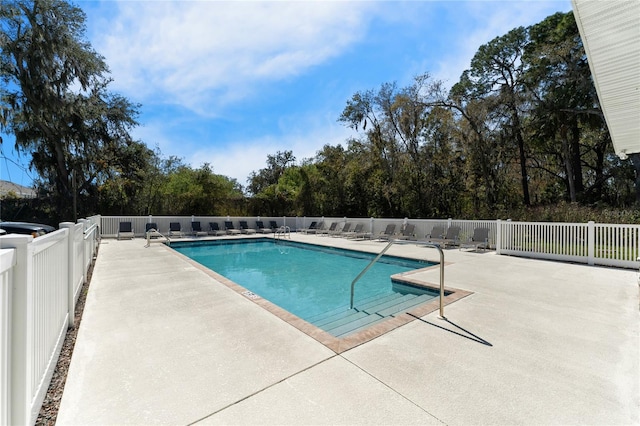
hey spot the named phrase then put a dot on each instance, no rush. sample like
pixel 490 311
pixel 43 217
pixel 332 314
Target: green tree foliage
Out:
pixel 157 186
pixel 188 191
pixel 522 127
pixel 530 92
pixel 496 76
pixel 407 151
pixel 54 99
pixel 273 193
pixel 520 131
pixel 133 187
pixel 569 133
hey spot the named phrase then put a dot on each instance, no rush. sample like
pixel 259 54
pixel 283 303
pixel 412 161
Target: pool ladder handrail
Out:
pixel 284 231
pixel 153 231
pixel 384 250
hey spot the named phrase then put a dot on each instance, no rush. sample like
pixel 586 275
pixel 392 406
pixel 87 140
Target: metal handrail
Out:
pixel 155 232
pixel 422 243
pixel 283 230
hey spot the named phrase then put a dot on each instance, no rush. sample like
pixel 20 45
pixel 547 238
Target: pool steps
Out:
pixel 352 327
pixel 344 321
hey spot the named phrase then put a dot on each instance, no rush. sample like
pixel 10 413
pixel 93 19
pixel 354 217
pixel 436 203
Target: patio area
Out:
pixel 162 341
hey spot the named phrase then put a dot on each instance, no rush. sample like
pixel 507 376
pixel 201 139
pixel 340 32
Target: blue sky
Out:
pixel 228 83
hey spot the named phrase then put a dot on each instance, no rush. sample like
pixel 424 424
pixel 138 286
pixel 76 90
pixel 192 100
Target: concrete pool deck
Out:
pixel 536 342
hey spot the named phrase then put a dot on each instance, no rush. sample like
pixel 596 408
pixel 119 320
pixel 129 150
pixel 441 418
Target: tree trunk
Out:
pixel 576 164
pixel 568 165
pixel 523 156
pixel 635 159
pixel 523 170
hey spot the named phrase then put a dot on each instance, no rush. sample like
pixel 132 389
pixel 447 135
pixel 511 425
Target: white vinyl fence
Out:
pixel 40 282
pixel 592 243
pixel 615 245
pixel 41 279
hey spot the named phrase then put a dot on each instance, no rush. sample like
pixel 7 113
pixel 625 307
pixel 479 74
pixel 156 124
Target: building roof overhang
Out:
pixel 610 32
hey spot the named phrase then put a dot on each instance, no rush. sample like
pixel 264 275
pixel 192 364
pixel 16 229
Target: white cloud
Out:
pixel 238 158
pixel 202 55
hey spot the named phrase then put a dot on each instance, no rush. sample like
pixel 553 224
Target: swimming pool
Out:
pixel 313 282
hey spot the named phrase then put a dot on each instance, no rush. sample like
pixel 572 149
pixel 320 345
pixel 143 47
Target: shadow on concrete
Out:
pixel 464 333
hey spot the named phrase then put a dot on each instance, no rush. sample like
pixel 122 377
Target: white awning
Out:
pixel 610 32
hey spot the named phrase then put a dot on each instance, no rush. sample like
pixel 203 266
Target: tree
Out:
pixel 567 121
pixel 269 197
pixel 54 99
pixel 276 165
pixel 483 153
pixel 406 155
pixel 200 191
pixel 496 75
pixel 132 185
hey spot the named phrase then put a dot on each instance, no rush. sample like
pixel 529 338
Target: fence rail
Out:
pixel 40 281
pixel 615 245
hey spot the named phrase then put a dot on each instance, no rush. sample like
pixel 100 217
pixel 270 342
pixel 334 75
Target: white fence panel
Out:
pixel 616 245
pixel 7 262
pixel 91 238
pixel 47 312
pixel 94 220
pixel 601 244
pixel 77 265
pixel 553 241
pixel 39 281
pixel 39 318
pixel 110 224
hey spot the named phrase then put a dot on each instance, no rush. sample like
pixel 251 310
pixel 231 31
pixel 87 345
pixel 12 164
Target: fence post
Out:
pixel 498 236
pixel 85 261
pixel 71 260
pixel 21 330
pixel 7 263
pixel 95 220
pixel 591 242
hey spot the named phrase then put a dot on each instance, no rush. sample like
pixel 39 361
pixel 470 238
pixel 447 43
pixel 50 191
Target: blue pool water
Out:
pixel 304 279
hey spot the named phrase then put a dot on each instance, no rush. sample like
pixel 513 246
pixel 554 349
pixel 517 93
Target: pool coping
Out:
pixel 342 344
